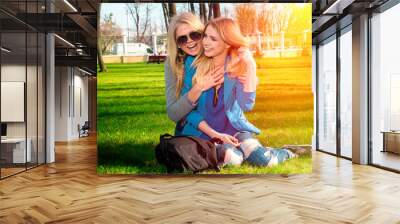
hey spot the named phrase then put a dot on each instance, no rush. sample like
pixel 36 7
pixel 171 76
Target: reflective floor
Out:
pixel 70 191
pixel 387 159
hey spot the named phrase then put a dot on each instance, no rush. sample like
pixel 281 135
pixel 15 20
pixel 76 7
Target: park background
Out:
pixel 131 91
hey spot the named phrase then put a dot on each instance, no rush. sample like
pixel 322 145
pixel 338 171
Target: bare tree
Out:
pixel 264 22
pixel 140 14
pixel 192 8
pixel 169 11
pixel 210 11
pixel 280 20
pixel 246 16
pixel 109 33
pixel 165 12
pixel 103 67
pixel 226 13
pixel 203 12
pixel 263 19
pixel 216 10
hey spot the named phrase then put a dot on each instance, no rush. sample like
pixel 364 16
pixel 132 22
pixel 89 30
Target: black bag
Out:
pixel 183 153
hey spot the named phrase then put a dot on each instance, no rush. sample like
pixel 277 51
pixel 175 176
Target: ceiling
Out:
pixel 332 15
pixel 74 21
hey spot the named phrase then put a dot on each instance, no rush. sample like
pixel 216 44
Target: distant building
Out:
pixel 131 49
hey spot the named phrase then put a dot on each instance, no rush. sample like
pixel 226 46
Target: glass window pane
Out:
pixel 346 94
pixel 327 96
pixel 22 87
pixel 41 98
pixel 31 97
pixel 385 89
pixel 13 87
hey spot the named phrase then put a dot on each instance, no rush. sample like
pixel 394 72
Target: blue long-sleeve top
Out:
pixel 233 102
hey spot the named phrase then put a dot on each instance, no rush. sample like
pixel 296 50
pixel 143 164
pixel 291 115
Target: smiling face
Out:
pixel 213 43
pixel 190 47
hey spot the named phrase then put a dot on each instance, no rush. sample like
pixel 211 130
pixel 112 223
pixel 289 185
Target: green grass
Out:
pixel 300 165
pixel 293 166
pixel 132 115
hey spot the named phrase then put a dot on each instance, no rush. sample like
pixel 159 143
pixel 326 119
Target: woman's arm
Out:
pixel 247 82
pixel 249 79
pixel 215 78
pixel 206 129
pixel 195 119
pixel 176 108
pixel 246 100
pixel 192 92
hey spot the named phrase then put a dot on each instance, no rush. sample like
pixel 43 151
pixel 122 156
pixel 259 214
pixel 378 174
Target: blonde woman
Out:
pixel 219 113
pixel 184 43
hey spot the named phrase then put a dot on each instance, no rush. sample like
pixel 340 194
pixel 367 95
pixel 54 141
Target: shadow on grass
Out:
pixel 130 162
pixel 126 154
pixel 130 158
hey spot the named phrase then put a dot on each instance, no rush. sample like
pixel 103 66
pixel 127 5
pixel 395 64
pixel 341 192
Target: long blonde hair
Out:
pixel 231 35
pixel 175 55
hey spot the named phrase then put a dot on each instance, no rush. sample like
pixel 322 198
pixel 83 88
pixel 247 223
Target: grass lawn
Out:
pixel 132 115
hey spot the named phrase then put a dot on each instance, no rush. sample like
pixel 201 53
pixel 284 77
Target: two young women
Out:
pixel 210 81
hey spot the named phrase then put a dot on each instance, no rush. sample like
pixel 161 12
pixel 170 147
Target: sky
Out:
pixel 120 14
pixel 121 18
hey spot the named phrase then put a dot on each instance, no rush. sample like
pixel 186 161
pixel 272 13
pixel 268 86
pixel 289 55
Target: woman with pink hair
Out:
pixel 219 112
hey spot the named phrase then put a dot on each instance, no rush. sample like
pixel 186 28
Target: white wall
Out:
pixel 13 72
pixel 62 81
pixel 70 83
pixel 81 83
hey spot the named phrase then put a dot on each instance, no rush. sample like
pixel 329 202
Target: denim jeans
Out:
pixel 228 154
pixel 251 151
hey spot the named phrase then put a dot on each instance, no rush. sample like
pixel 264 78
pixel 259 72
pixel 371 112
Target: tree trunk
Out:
pixel 171 10
pixel 137 26
pixel 216 10
pixel 210 11
pixel 192 8
pixel 103 67
pixel 203 12
pixel 146 24
pixel 165 11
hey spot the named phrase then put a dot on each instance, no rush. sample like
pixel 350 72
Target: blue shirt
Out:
pixel 215 115
pixel 235 102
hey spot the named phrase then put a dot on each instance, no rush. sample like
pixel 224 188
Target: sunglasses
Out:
pixel 195 36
